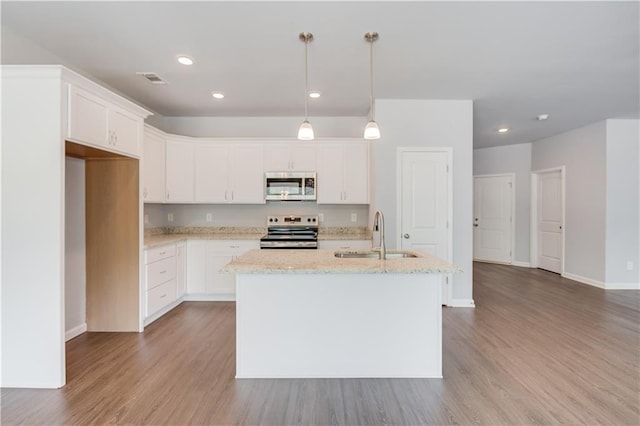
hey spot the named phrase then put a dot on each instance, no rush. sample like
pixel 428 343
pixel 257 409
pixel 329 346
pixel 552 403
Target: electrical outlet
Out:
pixel 630 266
pixel 321 217
pixel 354 217
pixel 209 217
pixel 146 218
pixel 170 217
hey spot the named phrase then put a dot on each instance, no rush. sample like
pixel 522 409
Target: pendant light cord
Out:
pixel 372 112
pixel 306 79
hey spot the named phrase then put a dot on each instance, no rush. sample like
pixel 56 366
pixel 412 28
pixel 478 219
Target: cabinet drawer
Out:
pixel 160 272
pixel 158 253
pixel 161 296
pixel 233 246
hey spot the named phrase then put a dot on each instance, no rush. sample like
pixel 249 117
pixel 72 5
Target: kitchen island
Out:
pixel 306 313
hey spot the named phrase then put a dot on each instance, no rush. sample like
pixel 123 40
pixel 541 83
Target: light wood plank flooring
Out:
pixel 537 349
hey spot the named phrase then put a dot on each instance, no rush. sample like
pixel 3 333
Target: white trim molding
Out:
pixel 622 286
pixel 521 264
pixel 583 280
pixel 462 303
pixel 210 297
pixel 75 332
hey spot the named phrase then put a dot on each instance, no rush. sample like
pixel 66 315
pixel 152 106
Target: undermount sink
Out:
pixel 372 254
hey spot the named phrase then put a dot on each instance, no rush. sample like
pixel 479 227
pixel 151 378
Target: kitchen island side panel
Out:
pixel 338 325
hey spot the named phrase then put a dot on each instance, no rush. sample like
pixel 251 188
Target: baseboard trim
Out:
pixel 210 297
pixel 461 303
pixel 622 286
pixel 161 312
pixel 583 280
pixel 521 264
pixel 75 332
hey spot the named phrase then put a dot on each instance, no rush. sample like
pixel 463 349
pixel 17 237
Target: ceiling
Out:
pixel 576 61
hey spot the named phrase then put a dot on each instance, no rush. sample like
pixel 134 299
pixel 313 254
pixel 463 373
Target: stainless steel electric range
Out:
pixel 291 232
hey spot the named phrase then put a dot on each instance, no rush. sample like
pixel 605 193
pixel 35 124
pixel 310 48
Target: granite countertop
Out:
pixel 324 262
pixel 161 236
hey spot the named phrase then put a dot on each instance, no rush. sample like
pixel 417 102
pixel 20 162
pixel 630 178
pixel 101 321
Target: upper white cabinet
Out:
pixel 95 121
pixel 292 156
pixel 153 166
pixel 180 171
pixel 343 173
pixel 229 173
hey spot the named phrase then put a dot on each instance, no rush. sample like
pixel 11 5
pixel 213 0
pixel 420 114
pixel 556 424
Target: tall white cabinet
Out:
pixel 343 173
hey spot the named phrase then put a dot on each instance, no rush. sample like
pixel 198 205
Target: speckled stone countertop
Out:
pixel 160 236
pixel 324 262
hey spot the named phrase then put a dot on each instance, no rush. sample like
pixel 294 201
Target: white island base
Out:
pixel 338 325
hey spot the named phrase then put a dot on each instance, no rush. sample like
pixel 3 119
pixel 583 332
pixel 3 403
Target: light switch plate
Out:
pixel 146 218
pixel 630 266
pixel 209 217
pixel 354 217
pixel 321 217
pixel 170 217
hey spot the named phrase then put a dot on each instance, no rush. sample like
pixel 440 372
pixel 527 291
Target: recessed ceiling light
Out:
pixel 314 95
pixel 185 60
pixel 542 117
pixel 217 95
pixel 503 130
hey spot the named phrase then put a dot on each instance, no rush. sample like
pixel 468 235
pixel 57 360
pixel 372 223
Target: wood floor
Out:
pixel 537 349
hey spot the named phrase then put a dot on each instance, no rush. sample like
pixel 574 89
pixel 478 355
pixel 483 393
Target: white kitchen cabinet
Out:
pixel 161 272
pixel 290 156
pixel 95 121
pixel 180 176
pixel 205 259
pixel 229 173
pixel 343 173
pixel 344 244
pixel 181 269
pixel 153 166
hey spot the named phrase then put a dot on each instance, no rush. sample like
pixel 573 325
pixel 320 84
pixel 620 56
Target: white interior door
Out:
pixel 424 204
pixel 550 221
pixel 493 215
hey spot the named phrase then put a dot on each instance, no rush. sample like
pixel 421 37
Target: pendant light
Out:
pixel 305 131
pixel 371 130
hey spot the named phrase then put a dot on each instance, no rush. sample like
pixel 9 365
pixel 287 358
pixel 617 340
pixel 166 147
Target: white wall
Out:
pixel 429 123
pixel 511 159
pixel 252 215
pixel 623 212
pixel 75 282
pixel 32 223
pixel 284 127
pixel 583 152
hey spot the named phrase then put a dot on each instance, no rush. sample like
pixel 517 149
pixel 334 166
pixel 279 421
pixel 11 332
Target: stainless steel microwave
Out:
pixel 290 186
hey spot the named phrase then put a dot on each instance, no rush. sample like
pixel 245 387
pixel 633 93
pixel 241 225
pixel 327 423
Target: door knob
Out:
pixel 406 236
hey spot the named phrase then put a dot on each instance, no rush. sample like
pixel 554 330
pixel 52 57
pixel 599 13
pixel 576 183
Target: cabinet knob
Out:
pixel 406 236
pixel 475 224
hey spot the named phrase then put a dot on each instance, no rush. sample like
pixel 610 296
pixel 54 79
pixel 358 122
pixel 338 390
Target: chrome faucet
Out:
pixel 378 224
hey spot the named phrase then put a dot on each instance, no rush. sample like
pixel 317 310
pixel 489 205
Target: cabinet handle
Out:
pixel 163 296
pixel 231 195
pixel 144 192
pixel 168 195
pixel 163 272
pixel 162 253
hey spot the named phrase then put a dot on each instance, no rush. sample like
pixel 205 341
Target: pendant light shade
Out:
pixel 305 131
pixel 371 130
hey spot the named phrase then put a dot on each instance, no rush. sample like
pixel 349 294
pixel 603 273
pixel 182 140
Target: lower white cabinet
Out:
pixel 206 258
pixel 164 273
pixel 344 244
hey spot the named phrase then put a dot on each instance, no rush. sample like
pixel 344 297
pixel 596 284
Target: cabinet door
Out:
pixel 330 185
pixel 247 174
pixel 304 157
pixel 124 131
pixel 181 269
pixel 277 157
pixel 212 173
pixel 153 168
pixel 180 172
pixel 217 282
pixel 196 267
pixel 88 118
pixel 356 174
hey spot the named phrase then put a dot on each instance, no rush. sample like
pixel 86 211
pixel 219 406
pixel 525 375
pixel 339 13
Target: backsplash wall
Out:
pixel 250 215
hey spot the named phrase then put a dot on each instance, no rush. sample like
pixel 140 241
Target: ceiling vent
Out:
pixel 152 77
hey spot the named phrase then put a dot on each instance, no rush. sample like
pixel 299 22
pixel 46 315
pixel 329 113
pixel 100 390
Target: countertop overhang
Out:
pixel 324 262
